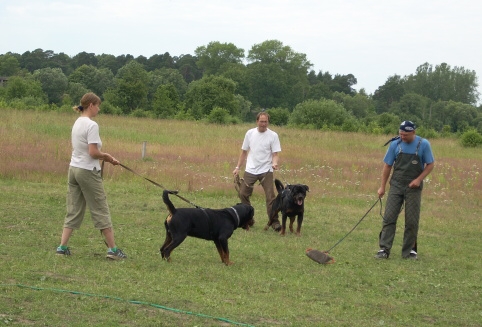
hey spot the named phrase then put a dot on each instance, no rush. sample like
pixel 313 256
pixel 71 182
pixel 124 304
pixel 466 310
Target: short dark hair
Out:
pixel 262 113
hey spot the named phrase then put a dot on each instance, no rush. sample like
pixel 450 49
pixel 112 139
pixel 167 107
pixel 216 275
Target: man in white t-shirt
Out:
pixel 260 152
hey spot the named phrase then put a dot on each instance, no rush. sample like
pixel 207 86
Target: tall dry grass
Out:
pixel 194 156
pixel 198 159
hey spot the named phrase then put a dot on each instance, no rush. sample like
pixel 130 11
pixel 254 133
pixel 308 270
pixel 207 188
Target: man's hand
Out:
pixel 415 183
pixel 381 192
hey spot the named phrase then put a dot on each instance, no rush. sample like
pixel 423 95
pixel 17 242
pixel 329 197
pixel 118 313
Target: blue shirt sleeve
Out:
pixel 426 152
pixel 391 154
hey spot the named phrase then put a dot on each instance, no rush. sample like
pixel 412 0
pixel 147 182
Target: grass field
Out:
pixel 272 282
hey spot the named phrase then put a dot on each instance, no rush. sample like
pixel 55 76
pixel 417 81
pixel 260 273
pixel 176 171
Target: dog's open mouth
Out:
pixel 299 201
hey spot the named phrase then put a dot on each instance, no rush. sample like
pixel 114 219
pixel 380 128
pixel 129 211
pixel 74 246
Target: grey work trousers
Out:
pixel 396 197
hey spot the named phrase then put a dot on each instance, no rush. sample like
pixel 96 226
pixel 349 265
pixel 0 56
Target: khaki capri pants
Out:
pixel 86 189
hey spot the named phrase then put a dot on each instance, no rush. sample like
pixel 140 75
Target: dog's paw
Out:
pixel 276 226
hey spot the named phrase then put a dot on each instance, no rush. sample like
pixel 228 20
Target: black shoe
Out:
pixel 412 256
pixel 63 252
pixel 381 255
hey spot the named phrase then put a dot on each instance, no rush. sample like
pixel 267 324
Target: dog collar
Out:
pixel 237 216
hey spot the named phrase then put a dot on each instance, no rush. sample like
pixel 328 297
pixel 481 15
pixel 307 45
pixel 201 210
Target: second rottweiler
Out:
pixel 216 225
pixel 291 202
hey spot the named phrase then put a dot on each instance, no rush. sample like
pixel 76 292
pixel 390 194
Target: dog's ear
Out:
pixel 306 188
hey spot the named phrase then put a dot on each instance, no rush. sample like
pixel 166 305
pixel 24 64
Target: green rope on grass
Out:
pixel 129 301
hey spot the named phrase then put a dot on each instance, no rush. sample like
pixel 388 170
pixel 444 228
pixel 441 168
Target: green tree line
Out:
pixel 223 83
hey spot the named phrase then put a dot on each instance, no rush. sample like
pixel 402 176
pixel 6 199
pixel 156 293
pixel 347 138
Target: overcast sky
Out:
pixel 371 39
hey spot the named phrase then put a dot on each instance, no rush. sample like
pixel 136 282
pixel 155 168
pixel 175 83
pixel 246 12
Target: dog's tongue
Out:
pixel 299 202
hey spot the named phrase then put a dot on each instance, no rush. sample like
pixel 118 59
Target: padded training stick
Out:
pixel 319 256
pixel 322 256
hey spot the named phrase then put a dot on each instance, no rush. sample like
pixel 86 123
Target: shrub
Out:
pixel 32 102
pixel 389 123
pixel 108 108
pixel 28 102
pixel 278 116
pixel 183 115
pixel 446 130
pixel 350 125
pixel 471 139
pixel 141 113
pixel 3 104
pixel 219 116
pixel 429 133
pixel 234 120
pixel 319 113
pixel 372 128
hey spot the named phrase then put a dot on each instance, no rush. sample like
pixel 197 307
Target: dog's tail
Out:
pixel 279 186
pixel 167 201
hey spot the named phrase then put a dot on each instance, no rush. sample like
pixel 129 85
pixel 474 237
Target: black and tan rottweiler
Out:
pixel 291 202
pixel 215 225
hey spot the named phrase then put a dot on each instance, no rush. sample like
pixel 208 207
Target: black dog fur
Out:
pixel 215 225
pixel 291 202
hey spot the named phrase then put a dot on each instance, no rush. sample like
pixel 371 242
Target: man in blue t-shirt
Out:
pixel 412 160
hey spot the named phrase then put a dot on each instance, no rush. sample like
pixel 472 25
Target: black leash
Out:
pixel 158 185
pixel 378 200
